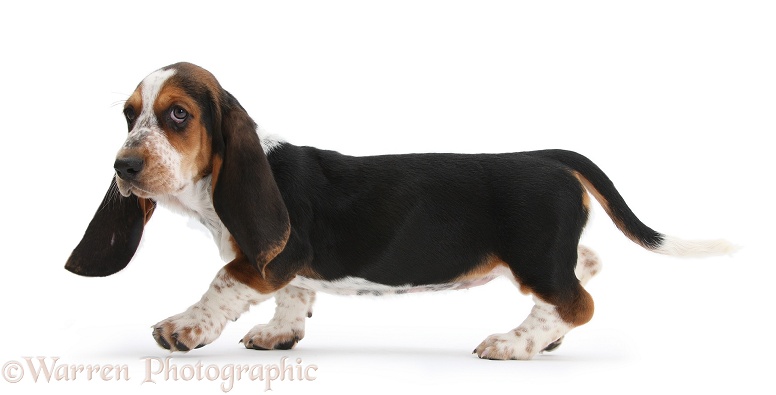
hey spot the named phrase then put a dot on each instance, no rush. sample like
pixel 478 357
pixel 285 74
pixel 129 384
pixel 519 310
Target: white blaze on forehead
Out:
pixel 149 90
pixel 146 120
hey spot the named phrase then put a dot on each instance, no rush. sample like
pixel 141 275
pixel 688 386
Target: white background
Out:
pixel 673 99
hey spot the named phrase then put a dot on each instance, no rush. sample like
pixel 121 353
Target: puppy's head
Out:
pixel 184 127
pixel 170 117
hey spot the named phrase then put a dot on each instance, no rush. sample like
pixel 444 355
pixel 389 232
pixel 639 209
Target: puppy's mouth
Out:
pixel 141 190
pixel 127 188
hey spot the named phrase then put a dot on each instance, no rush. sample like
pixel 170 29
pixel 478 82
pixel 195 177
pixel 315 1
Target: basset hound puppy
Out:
pixel 292 220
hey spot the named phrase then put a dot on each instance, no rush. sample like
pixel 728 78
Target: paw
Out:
pixel 512 345
pixel 186 331
pixel 272 337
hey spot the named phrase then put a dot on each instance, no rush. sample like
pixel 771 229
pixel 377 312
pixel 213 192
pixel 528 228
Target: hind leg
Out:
pixel 588 265
pixel 554 314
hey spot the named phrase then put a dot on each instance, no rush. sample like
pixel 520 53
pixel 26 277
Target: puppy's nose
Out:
pixel 128 168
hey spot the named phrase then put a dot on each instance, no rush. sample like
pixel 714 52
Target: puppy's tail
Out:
pixel 602 188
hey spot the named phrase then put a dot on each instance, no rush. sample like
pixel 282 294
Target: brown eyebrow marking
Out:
pixel 194 143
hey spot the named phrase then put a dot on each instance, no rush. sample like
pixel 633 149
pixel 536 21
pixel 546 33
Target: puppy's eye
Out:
pixel 178 114
pixel 129 113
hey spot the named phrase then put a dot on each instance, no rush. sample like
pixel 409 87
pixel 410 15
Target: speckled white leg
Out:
pixel 202 323
pixel 588 265
pixel 544 329
pixel 286 328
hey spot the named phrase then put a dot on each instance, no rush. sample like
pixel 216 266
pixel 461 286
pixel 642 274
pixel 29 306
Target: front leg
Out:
pixel 286 327
pixel 235 288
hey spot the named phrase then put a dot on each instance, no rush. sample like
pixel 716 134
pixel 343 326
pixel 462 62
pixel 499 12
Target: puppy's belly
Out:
pixel 359 286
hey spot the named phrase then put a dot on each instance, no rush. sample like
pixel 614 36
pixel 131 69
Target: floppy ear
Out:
pixel 112 237
pixel 245 195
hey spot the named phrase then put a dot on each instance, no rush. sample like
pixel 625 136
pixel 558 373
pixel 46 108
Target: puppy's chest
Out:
pixel 360 286
pixel 195 202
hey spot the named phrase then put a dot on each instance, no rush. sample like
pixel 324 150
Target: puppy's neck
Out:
pixel 196 201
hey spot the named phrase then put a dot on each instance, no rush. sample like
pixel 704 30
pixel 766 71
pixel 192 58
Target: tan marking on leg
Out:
pixel 577 311
pixel 243 271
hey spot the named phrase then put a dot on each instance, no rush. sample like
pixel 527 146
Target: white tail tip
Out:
pixel 695 248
